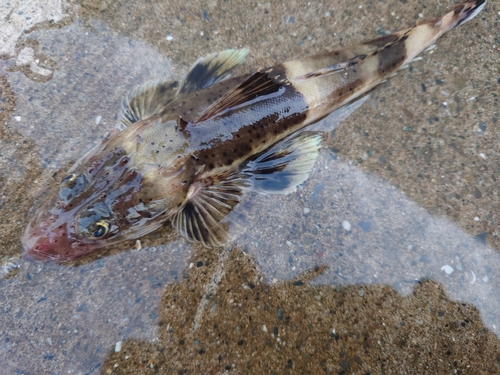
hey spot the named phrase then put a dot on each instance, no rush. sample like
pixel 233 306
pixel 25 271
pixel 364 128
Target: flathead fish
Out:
pixel 188 151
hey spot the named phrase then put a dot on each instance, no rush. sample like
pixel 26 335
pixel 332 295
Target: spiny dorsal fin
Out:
pixel 203 218
pixel 146 100
pixel 256 86
pixel 211 69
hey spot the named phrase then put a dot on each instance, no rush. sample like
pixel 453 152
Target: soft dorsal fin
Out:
pixel 353 62
pixel 146 100
pixel 203 218
pixel 211 69
pixel 256 86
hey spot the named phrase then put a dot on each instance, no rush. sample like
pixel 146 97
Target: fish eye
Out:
pixel 73 185
pixel 69 181
pixel 69 178
pixel 98 229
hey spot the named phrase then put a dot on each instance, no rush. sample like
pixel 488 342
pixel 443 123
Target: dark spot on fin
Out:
pixel 284 166
pixel 257 85
pixel 211 69
pixel 203 216
pixel 146 100
pixel 393 55
pixel 382 41
pixel 181 124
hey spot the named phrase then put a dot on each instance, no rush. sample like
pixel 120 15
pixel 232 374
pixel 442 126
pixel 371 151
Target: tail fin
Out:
pixel 424 35
pixel 333 79
pixel 462 13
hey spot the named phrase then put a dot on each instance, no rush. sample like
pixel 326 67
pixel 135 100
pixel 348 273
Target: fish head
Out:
pixel 106 200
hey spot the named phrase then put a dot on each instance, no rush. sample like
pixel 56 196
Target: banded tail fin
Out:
pixel 424 35
pixel 331 80
pixel 468 10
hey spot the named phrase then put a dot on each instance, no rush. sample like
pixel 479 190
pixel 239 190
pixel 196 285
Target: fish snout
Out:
pixel 42 242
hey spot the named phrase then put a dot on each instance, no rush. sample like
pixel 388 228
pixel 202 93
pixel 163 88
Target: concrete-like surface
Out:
pixel 409 287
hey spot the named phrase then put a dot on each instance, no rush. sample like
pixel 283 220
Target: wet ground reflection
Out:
pixel 366 231
pixel 223 317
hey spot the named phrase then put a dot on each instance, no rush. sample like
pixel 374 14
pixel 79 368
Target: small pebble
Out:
pixel 17 118
pixel 306 210
pixel 346 225
pixel 448 269
pixel 170 38
pixel 98 120
pixel 118 346
pixel 264 328
pixel 480 128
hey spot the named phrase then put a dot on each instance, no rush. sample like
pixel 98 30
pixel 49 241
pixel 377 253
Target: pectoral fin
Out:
pixel 203 218
pixel 146 100
pixel 211 69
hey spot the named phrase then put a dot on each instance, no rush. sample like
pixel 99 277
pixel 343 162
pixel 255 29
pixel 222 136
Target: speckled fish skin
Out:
pixel 189 151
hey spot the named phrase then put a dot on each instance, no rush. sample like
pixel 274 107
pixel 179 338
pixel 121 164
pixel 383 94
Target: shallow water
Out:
pixel 401 208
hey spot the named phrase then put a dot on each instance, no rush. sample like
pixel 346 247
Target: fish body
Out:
pixel 190 150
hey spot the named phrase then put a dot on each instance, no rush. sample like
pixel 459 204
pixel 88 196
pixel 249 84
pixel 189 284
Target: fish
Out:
pixel 188 151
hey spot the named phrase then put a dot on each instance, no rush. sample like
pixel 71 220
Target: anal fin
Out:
pixel 285 165
pixel 335 118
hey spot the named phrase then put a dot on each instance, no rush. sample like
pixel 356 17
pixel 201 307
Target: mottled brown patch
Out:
pixel 392 56
pixel 20 162
pixel 262 132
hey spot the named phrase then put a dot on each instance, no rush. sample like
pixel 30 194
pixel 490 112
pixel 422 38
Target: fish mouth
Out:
pixel 51 242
